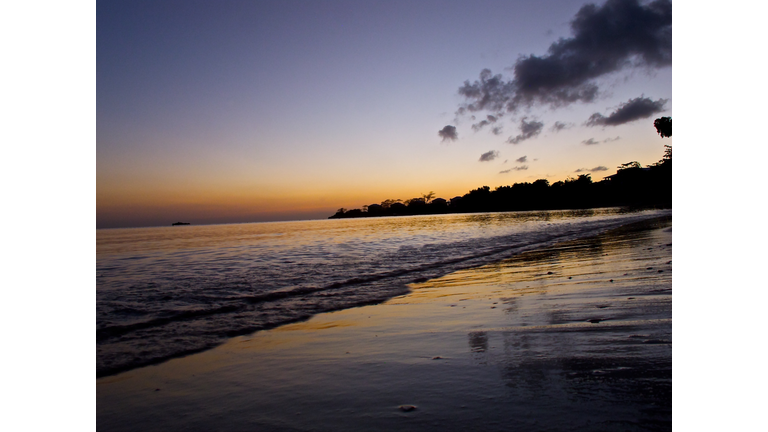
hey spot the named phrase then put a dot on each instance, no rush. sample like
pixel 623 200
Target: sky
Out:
pixel 225 112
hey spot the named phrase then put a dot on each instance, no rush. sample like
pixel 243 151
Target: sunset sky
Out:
pixel 244 111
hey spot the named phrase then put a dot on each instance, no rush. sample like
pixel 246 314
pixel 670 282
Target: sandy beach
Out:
pixel 577 336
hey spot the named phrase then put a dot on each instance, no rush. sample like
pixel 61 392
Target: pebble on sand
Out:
pixel 407 408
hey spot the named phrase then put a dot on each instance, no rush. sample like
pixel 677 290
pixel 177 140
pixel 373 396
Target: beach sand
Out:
pixel 574 337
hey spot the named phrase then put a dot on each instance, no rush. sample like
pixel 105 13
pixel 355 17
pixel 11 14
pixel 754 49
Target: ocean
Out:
pixel 165 292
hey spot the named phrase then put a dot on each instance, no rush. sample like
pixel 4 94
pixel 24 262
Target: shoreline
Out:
pixel 575 336
pixel 628 207
pixel 132 341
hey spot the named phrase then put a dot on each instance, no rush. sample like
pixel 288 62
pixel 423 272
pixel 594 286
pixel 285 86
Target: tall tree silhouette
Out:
pixel 663 126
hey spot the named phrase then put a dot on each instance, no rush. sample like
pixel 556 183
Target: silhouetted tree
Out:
pixel 414 201
pixel 584 179
pixel 388 203
pixel 663 126
pixel 428 197
pixel 666 159
pixel 628 165
pixel 398 208
pixel 435 206
pixel 439 202
pixel 354 213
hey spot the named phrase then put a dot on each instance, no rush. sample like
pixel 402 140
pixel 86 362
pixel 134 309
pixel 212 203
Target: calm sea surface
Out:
pixel 168 291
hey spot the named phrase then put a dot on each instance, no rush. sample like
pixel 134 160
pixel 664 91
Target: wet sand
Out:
pixel 577 336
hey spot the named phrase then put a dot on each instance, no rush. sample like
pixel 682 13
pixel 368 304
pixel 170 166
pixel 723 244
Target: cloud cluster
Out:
pixel 489 156
pixel 635 109
pixel 523 159
pixel 618 35
pixel 448 133
pixel 489 119
pixel 597 168
pixel 528 130
pixel 592 141
pixel 558 126
pixel 517 168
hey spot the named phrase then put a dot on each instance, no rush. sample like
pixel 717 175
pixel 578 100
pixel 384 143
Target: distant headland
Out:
pixel 632 186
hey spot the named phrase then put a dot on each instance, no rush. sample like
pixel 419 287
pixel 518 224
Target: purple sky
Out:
pixel 244 111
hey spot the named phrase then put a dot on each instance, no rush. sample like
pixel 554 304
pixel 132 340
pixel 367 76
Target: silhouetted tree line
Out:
pixel 633 185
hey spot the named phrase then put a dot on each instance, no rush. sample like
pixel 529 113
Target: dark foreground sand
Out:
pixel 575 337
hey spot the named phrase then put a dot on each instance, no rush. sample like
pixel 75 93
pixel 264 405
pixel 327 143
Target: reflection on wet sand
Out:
pixel 587 326
pixel 572 337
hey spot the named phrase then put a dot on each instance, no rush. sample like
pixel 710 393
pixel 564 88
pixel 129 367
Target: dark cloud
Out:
pixel 619 34
pixel 558 126
pixel 517 168
pixel 448 133
pixel 528 130
pixel 477 126
pixel 635 109
pixel 489 119
pixel 496 130
pixel 489 156
pixel 490 93
pixel 523 159
pixel 597 168
pixel 592 141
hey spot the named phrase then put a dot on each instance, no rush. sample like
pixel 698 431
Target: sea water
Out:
pixel 165 292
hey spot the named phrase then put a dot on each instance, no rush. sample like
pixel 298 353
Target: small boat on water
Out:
pixel 179 223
